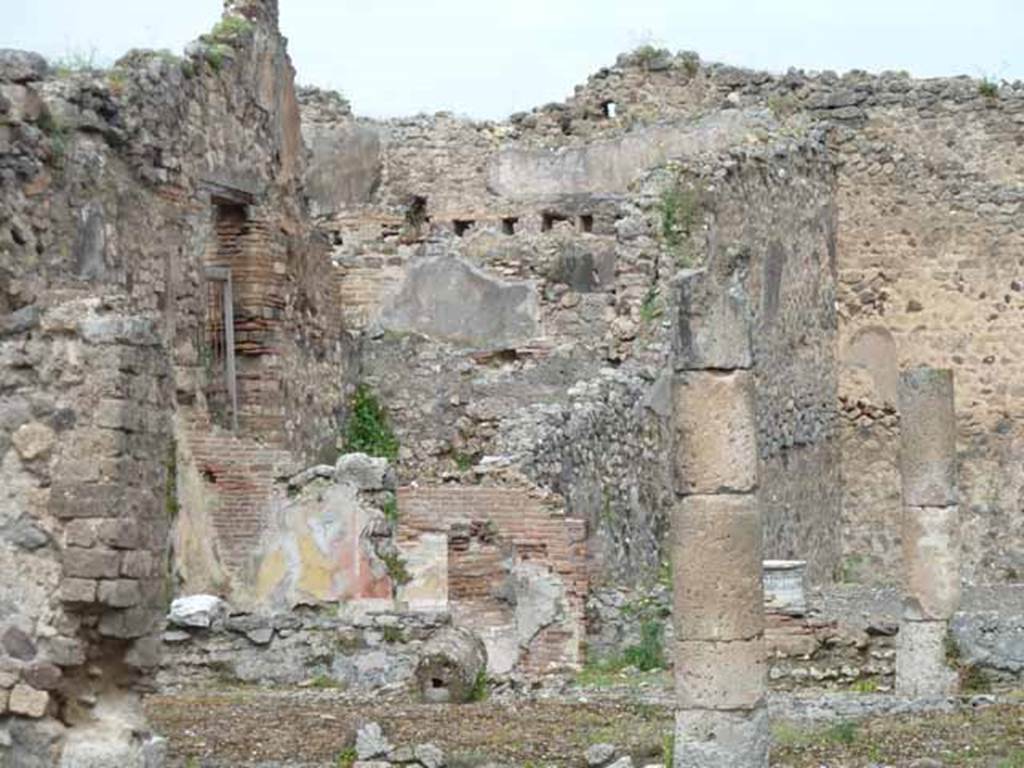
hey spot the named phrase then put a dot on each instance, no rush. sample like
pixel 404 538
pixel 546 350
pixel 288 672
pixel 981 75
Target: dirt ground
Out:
pixel 303 727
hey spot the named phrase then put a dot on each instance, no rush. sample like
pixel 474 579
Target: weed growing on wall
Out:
pixel 679 208
pixel 368 430
pixel 229 29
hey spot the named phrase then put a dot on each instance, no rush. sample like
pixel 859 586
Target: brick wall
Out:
pixel 489 529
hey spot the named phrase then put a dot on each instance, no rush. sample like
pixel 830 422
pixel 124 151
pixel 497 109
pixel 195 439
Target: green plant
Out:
pixel 1013 760
pixel 390 509
pixel 650 308
pixel 668 748
pixel 192 762
pixel 463 461
pixel 783 105
pixel 679 207
pixel 646 55
pixel 346 758
pixel 650 652
pixel 849 570
pixel 392 635
pixel 843 732
pixel 973 679
pixel 230 28
pixel 75 61
pixel 171 482
pixel 396 568
pixel 323 681
pixel 367 430
pixel 59 135
pixel 865 686
pixel 480 687
pixel 988 88
pixel 691 63
pixel 216 54
pixel 116 80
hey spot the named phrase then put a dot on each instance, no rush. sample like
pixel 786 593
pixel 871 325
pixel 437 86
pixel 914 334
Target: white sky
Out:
pixel 488 58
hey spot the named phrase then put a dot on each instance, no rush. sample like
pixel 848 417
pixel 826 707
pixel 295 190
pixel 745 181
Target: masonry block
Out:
pixel 27 701
pixel 710 739
pixel 931 555
pixel 716 560
pixel 80 533
pixel 139 565
pixel 921 668
pixel 89 500
pixel 120 593
pixel 91 563
pixel 715 432
pixel 712 329
pixel 720 674
pixel 73 590
pixel 927 437
pixel 119 533
pixel 129 623
pixel 42 676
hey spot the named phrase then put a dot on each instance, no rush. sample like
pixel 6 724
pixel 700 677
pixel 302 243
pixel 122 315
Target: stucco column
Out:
pixel 716 537
pixel 931 531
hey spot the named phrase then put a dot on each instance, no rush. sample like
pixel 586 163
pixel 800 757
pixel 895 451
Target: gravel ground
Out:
pixel 244 728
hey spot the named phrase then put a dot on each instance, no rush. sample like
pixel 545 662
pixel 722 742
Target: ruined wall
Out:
pixel 928 222
pixel 508 275
pixel 109 183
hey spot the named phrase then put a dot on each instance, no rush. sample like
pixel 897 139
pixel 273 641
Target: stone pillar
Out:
pixel 716 537
pixel 931 531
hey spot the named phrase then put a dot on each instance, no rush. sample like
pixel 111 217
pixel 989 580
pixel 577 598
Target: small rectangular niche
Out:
pixel 462 226
pixel 548 220
pixel 609 108
pixel 508 225
pixel 587 222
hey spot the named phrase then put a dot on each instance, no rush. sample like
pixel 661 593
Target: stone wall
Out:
pixel 927 225
pixel 111 184
pixel 529 293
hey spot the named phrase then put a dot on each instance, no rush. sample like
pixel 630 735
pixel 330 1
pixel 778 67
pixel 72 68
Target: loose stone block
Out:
pixel 927 437
pixel 709 739
pixel 921 669
pixel 715 432
pixel 27 701
pixel 717 556
pixel 720 675
pixel 931 553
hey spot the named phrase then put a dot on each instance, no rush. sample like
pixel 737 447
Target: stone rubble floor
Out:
pixel 302 728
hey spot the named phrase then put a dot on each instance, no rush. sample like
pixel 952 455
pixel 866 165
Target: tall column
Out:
pixel 931 531
pixel 716 537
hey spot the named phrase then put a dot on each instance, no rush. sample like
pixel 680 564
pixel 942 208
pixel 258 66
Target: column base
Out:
pixel 921 667
pixel 721 739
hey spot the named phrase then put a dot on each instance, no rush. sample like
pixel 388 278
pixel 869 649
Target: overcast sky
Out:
pixel 488 58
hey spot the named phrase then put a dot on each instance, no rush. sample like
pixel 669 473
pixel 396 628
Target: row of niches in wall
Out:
pixel 510 225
